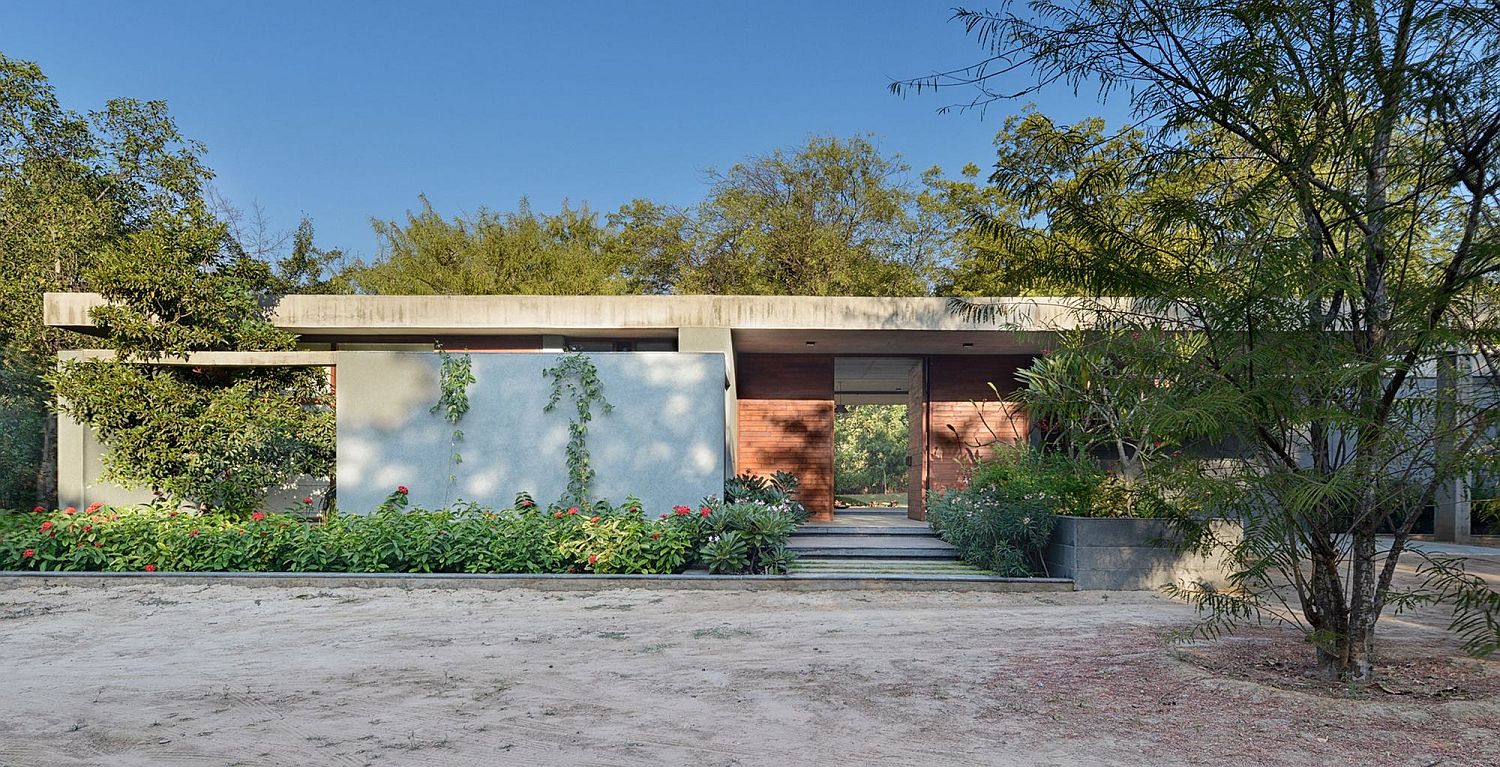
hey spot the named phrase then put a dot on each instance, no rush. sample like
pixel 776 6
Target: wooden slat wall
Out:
pixel 964 415
pixel 786 422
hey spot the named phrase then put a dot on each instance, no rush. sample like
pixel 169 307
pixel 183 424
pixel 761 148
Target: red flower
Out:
pixel 635 509
pixel 258 516
pixel 93 507
pixel 87 528
pixel 402 489
pixel 572 569
pixel 656 536
pixel 150 568
pixel 558 514
pixel 46 525
pixel 593 559
pixel 28 554
pixel 308 499
pixel 681 510
pixel 572 510
pixel 98 544
pixel 662 517
pixel 192 533
pixel 703 512
pixel 70 511
pixel 38 510
pixel 593 519
pixel 527 504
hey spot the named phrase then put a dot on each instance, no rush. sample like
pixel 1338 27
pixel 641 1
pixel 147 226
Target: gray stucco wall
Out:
pixel 662 443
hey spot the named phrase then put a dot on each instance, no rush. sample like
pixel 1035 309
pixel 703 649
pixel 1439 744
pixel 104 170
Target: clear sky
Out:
pixel 344 111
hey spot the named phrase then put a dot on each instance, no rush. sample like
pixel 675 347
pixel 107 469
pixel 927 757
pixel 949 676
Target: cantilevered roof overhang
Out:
pixel 848 325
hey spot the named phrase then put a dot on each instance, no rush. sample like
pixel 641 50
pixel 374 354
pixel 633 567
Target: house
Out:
pixel 704 387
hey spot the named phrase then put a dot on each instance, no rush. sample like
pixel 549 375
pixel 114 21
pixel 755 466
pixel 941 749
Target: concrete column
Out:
pixel 1451 505
pixel 719 340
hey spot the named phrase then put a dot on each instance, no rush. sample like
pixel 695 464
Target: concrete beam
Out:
pixel 321 315
pixel 217 359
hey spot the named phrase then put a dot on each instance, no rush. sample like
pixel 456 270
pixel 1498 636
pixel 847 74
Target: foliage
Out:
pixel 1309 227
pixel 486 253
pixel 1002 519
pixel 220 436
pixel 747 537
pixel 455 376
pixel 23 412
pixel 73 187
pixel 576 373
pixel 395 538
pixel 870 449
pixel 831 217
pixel 778 490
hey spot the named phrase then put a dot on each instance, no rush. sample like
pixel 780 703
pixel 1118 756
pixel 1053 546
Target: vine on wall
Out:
pixel 576 373
pixel 455 376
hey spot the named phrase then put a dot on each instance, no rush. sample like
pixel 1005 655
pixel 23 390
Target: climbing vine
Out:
pixel 576 374
pixel 455 376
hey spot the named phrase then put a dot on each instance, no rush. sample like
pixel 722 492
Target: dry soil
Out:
pixel 153 674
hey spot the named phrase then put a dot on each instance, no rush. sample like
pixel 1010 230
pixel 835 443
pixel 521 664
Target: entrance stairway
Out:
pixel 874 541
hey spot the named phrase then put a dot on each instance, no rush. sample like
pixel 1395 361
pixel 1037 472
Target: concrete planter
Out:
pixel 1125 554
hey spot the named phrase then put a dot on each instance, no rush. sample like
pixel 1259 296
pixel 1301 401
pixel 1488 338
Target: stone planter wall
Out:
pixel 1125 554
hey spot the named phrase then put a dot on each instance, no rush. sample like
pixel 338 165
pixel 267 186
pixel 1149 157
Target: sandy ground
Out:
pixel 151 674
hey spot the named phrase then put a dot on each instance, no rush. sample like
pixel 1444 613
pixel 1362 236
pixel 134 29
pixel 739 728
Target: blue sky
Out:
pixel 344 111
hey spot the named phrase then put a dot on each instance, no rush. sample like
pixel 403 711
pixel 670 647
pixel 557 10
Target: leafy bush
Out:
pixel 748 538
pixel 747 535
pixel 1001 521
pixel 465 538
pixel 778 491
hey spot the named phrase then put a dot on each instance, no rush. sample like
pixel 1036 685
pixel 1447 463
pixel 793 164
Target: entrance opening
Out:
pixel 876 402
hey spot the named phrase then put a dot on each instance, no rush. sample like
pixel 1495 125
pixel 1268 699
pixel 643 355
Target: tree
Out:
pixel 1333 254
pixel 1017 235
pixel 69 185
pixel 521 252
pixel 834 217
pixel 870 448
pixel 219 437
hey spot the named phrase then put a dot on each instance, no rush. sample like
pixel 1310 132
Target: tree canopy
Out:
pixel 1317 245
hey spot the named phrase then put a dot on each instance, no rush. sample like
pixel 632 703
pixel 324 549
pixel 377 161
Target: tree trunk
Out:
pixel 1346 628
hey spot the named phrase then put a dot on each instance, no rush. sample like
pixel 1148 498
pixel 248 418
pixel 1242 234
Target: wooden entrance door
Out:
pixel 916 444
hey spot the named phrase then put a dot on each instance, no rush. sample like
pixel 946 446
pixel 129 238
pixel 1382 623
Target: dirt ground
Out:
pixel 151 674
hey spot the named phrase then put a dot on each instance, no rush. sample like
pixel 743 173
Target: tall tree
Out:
pixel 570 252
pixel 832 217
pixel 70 185
pixel 215 436
pixel 1345 257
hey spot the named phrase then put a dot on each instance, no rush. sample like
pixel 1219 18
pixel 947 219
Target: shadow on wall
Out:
pixel 663 442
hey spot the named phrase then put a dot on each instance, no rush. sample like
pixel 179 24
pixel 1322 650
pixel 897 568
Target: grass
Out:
pixel 871 499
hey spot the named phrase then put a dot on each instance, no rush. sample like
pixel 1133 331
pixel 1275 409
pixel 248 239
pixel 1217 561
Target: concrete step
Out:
pixel 871 547
pixel 816 529
pixel 885 567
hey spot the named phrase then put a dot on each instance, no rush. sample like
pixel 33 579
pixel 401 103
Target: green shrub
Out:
pixel 778 490
pixel 741 537
pixel 757 532
pixel 465 538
